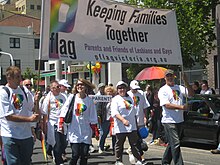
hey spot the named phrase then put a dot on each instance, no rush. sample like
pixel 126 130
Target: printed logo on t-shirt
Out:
pixel 17 100
pixel 176 94
pixel 128 104
pixel 136 100
pixel 58 103
pixel 80 109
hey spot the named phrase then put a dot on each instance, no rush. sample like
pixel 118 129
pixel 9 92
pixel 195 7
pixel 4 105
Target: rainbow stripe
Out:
pixel 17 100
pixel 136 100
pixel 58 103
pixel 128 104
pixel 176 94
pixel 80 109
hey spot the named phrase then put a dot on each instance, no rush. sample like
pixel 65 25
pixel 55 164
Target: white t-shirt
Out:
pixel 140 103
pixel 125 107
pixel 171 94
pixel 16 104
pixel 52 107
pixel 207 92
pixel 84 114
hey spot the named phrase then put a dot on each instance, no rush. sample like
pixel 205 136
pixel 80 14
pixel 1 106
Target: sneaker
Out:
pixel 64 157
pixel 101 151
pixel 128 151
pixel 118 163
pixel 215 151
pixel 91 149
pixel 139 163
pixel 107 147
pixel 49 156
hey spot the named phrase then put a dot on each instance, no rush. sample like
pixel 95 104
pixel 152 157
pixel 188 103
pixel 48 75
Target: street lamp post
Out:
pixel 8 54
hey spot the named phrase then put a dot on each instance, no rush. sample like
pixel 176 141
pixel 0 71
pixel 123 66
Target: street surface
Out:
pixel 192 155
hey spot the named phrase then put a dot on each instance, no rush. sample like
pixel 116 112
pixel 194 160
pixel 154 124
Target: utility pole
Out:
pixel 218 43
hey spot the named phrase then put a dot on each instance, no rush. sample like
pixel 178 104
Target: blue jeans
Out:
pixel 18 151
pixel 105 126
pixel 172 132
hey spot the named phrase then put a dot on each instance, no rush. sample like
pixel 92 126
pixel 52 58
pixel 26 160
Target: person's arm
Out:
pixel 188 86
pixel 175 106
pixel 122 119
pixel 15 118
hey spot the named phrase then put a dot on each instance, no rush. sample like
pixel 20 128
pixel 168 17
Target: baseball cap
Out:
pixel 168 71
pixel 121 83
pixel 64 83
pixel 134 84
pixel 101 85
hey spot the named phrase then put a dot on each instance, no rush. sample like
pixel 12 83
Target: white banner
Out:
pixel 98 30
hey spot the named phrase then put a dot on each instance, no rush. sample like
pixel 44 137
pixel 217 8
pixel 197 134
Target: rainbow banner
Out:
pixel 107 31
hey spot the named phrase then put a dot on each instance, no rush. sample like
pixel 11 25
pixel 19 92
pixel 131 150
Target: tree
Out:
pixel 28 74
pixel 196 24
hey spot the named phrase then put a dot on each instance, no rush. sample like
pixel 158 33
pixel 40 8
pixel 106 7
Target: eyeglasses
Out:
pixel 28 85
pixel 80 84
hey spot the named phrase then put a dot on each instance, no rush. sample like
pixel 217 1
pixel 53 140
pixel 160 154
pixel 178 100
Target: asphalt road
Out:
pixel 193 154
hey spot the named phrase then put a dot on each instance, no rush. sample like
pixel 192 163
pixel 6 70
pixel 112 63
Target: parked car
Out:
pixel 202 120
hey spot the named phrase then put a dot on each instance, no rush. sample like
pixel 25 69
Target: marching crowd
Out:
pixel 75 118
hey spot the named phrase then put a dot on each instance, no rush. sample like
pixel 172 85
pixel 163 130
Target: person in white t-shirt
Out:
pixel 16 115
pixel 171 100
pixel 51 109
pixel 141 104
pixel 124 113
pixel 84 122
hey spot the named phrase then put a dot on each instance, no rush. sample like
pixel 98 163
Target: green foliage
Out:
pixel 28 74
pixel 195 20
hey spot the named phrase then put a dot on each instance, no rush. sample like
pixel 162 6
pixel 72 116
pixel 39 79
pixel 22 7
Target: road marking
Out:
pixel 192 163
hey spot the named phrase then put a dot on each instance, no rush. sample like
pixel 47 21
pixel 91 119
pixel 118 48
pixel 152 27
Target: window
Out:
pixel 41 64
pixel 17 63
pixel 38 7
pixel 32 7
pixel 36 43
pixel 14 42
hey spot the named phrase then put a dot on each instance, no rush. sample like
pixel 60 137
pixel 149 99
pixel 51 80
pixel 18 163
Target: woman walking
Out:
pixel 83 124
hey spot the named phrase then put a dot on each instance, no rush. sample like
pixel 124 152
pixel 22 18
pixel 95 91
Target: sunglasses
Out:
pixel 121 87
pixel 80 84
pixel 28 85
pixel 56 87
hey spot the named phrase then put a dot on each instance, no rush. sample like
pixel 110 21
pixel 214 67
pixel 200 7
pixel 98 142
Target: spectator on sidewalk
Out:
pixel 206 90
pixel 196 87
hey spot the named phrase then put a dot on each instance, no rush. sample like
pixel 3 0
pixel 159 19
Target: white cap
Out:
pixel 121 83
pixel 134 84
pixel 64 83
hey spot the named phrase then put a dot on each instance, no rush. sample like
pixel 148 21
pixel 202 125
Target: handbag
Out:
pixel 69 114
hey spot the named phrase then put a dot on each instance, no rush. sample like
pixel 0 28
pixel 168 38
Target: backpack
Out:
pixel 9 93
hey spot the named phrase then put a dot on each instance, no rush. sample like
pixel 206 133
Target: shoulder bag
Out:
pixel 69 114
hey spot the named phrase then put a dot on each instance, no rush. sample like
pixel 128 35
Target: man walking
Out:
pixel 16 116
pixel 52 126
pixel 171 100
